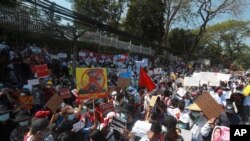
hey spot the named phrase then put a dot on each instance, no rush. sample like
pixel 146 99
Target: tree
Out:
pixel 175 11
pixel 145 18
pixel 180 41
pixel 105 11
pixel 227 39
pixel 209 9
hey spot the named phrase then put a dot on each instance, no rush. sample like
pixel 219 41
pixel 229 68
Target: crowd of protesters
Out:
pixel 25 117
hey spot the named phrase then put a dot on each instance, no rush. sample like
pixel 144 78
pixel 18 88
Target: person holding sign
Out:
pixel 199 125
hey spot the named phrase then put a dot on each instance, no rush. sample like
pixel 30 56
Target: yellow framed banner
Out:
pixel 91 83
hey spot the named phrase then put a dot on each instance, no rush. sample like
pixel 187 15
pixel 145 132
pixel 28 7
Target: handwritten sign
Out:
pixel 106 108
pixel 123 82
pixel 209 106
pixel 141 128
pixel 54 102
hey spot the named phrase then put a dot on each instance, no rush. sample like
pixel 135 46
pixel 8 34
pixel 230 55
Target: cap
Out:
pixel 49 82
pixel 194 107
pixel 42 114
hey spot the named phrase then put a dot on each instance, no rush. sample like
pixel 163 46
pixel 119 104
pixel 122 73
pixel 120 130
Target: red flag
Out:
pixel 145 80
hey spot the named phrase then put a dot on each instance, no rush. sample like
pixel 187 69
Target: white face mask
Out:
pixel 22 94
pixel 4 117
pixel 24 123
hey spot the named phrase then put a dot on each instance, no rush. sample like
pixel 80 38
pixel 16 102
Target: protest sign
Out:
pixel 78 126
pixel 106 108
pixel 33 82
pixel 181 92
pixel 118 124
pixel 42 71
pixel 74 92
pixel 210 78
pixel 221 133
pixel 65 93
pixel 191 81
pixel 123 82
pixel 91 83
pixel 153 100
pixel 141 128
pixel 54 102
pixel 209 106
pixel 186 134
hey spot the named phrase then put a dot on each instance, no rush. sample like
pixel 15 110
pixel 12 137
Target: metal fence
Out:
pixel 20 19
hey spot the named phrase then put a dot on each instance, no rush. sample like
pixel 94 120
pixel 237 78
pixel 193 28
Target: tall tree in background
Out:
pixel 175 11
pixel 210 9
pixel 228 39
pixel 105 11
pixel 145 18
pixel 180 41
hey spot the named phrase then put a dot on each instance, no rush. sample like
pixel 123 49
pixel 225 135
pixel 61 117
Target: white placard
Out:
pixel 186 134
pixel 141 128
pixel 78 126
pixel 33 82
pixel 181 92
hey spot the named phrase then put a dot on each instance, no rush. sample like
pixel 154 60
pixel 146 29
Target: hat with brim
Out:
pixel 193 107
pixel 4 109
pixel 22 116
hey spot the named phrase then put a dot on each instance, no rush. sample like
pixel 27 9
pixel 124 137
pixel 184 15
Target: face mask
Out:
pixel 22 94
pixel 24 123
pixel 4 117
pixel 195 114
pixel 124 116
pixel 71 117
pixel 48 86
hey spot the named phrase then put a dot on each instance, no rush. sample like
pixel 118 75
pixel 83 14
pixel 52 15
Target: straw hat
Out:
pixel 194 107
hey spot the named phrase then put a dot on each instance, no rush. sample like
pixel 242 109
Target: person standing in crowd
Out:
pixel 49 90
pixel 26 100
pixel 38 98
pixel 199 125
pixel 22 118
pixel 6 124
pixel 154 134
pixel 39 130
pixel 246 104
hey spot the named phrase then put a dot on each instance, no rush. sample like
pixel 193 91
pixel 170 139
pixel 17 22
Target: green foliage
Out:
pixel 145 18
pixel 225 42
pixel 105 11
pixel 180 41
